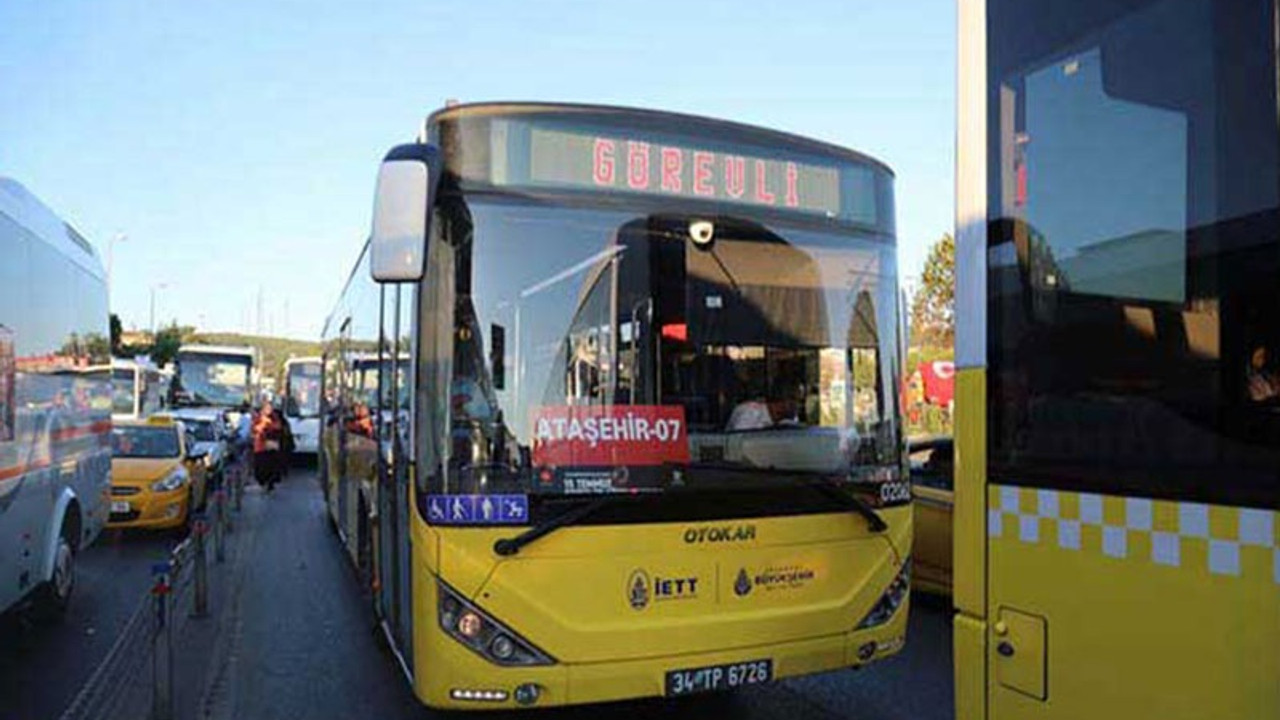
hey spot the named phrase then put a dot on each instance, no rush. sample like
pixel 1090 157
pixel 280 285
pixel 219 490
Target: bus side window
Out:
pixel 7 377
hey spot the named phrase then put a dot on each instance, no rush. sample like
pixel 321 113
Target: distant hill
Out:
pixel 272 350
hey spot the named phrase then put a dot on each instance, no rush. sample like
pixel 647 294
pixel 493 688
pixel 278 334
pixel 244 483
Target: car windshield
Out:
pixel 201 430
pixel 144 442
pixel 303 389
pixel 214 379
pixel 622 356
pixel 122 391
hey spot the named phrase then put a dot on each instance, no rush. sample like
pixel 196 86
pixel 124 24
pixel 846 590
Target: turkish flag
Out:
pixel 939 381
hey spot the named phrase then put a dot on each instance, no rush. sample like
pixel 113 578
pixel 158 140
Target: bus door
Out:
pixel 1127 480
pixel 394 440
pixel 348 375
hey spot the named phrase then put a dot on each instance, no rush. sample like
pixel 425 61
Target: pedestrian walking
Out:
pixel 269 433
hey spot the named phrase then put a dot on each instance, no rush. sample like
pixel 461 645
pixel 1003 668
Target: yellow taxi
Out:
pixel 932 465
pixel 155 483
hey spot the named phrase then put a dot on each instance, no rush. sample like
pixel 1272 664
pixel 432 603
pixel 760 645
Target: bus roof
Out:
pixel 25 209
pixel 131 364
pixel 301 360
pixel 763 135
pixel 218 350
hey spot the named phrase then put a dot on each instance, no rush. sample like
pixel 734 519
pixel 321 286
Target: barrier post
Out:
pixel 221 523
pixel 162 643
pixel 199 529
pixel 238 483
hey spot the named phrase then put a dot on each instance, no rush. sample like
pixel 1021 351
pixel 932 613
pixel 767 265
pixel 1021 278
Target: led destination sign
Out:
pixel 598 162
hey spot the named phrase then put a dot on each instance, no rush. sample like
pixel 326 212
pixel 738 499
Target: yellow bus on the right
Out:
pixel 1117 534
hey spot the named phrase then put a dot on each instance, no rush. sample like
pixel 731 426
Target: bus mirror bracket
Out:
pixel 401 213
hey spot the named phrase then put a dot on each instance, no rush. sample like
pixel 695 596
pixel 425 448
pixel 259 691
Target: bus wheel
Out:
pixel 55 594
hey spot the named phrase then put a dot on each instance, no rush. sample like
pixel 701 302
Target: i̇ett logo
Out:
pixel 638 590
pixel 742 586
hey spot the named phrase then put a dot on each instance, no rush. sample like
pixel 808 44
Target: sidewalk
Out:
pixel 195 639
pixel 296 638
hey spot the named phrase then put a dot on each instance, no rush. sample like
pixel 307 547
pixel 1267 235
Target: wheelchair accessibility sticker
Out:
pixel 478 509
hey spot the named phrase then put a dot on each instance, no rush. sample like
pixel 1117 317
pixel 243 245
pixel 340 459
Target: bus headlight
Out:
pixel 888 603
pixel 485 636
pixel 170 482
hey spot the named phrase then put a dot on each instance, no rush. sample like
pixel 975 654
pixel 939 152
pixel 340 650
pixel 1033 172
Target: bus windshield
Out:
pixel 602 351
pixel 303 387
pixel 214 379
pixel 122 391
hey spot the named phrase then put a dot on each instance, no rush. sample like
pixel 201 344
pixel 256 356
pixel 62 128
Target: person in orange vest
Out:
pixel 269 431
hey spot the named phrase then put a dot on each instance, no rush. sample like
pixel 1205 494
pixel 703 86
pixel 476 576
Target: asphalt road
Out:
pixel 42 667
pixel 305 646
pixel 291 636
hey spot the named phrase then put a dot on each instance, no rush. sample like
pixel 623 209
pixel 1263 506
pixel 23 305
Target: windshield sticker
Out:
pixel 634 435
pixel 477 509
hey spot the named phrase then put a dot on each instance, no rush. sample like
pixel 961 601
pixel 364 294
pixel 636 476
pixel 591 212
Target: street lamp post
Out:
pixel 111 255
pixel 157 286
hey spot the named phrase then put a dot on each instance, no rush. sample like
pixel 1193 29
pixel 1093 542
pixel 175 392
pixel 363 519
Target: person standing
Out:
pixel 268 445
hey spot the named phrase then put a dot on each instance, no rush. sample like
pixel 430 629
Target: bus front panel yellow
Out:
pixel 618 608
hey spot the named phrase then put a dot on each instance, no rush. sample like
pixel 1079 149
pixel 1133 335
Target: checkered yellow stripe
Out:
pixel 1241 542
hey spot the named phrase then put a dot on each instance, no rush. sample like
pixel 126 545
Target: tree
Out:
pixel 117 330
pixel 165 347
pixel 933 309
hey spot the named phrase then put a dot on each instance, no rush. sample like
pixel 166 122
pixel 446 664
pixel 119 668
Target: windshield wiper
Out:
pixel 852 502
pixel 512 545
pixel 829 488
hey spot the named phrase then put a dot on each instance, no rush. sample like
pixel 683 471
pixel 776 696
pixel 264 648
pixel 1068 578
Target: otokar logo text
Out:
pixel 720 534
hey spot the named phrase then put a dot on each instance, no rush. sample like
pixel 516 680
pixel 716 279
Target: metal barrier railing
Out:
pixel 181 580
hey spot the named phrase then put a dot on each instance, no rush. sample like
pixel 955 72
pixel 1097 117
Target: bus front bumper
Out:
pixel 467 682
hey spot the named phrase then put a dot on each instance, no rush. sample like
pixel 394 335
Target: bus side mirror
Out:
pixel 401 211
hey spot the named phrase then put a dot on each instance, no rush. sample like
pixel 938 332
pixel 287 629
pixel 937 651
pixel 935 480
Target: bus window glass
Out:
pixel 304 389
pixel 122 391
pixel 1134 200
pixel 1080 141
pixel 215 380
pixel 7 378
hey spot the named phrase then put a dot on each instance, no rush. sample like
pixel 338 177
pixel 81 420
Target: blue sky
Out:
pixel 235 143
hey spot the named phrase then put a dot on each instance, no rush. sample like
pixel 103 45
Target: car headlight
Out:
pixel 485 636
pixel 888 603
pixel 172 481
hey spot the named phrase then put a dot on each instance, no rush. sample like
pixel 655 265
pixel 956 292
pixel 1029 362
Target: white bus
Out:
pixel 214 375
pixel 137 389
pixel 55 401
pixel 302 402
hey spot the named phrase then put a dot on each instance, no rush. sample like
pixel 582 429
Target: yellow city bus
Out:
pixel 650 443
pixel 1117 544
